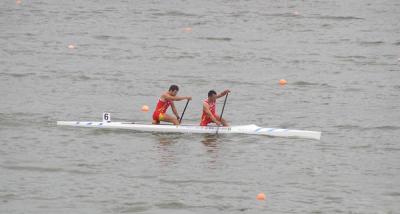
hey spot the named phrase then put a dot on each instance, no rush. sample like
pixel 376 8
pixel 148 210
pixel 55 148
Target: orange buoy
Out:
pixel 282 82
pixel 261 196
pixel 145 108
pixel 71 46
pixel 187 29
pixel 18 1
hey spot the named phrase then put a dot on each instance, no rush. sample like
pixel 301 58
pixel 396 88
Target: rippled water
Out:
pixel 341 60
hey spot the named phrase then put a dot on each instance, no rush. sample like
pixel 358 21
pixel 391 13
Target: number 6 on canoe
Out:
pixel 106 117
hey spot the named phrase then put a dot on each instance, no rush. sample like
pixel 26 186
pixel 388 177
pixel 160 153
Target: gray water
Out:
pixel 341 60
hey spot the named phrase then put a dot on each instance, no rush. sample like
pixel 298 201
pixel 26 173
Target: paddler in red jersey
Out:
pixel 209 114
pixel 167 99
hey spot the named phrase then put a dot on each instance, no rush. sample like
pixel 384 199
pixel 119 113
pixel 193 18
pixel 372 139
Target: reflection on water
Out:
pixel 211 142
pixel 166 149
pixel 166 140
pixel 170 150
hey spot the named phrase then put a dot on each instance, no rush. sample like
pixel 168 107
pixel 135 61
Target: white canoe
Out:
pixel 244 129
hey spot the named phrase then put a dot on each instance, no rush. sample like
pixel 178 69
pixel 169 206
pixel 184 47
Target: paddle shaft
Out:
pixel 223 107
pixel 180 119
pixel 222 112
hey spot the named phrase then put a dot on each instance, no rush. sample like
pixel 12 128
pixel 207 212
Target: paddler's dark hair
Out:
pixel 211 92
pixel 173 88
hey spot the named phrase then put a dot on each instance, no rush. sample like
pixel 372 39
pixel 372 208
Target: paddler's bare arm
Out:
pixel 223 93
pixel 175 98
pixel 174 110
pixel 206 108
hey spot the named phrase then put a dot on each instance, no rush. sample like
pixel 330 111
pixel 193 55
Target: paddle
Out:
pixel 180 119
pixel 223 108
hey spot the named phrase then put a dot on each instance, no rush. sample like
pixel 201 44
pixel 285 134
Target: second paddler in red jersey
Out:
pixel 166 100
pixel 209 109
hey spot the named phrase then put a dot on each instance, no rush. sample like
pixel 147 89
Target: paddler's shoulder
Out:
pixel 166 97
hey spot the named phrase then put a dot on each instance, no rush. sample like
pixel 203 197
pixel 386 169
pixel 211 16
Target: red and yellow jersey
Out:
pixel 205 119
pixel 161 108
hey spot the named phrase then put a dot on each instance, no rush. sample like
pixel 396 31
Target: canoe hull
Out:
pixel 244 129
